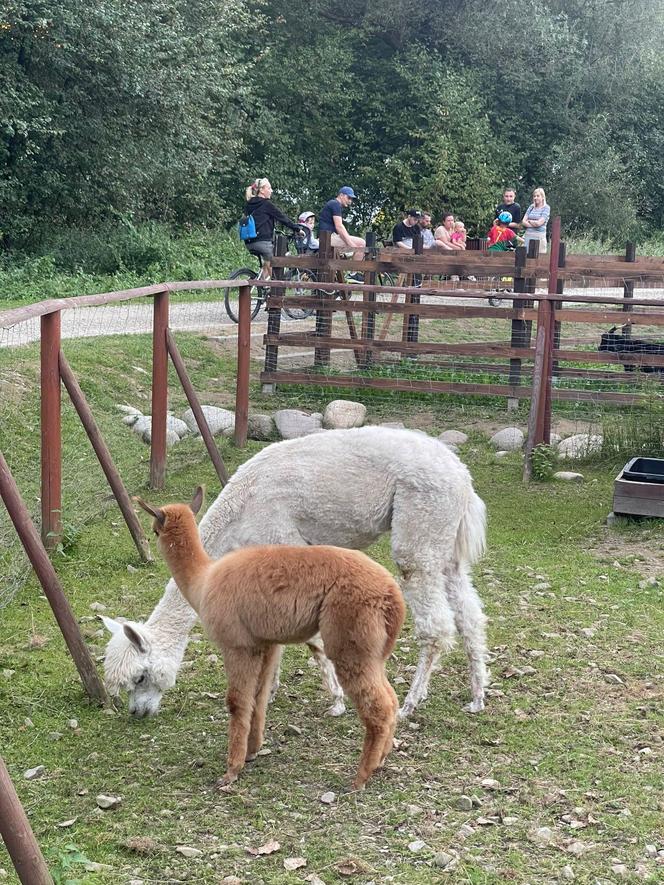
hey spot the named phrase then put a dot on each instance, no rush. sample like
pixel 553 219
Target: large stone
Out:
pixel 453 437
pixel 343 413
pixel 171 436
pixel 220 421
pixel 510 439
pixel 292 423
pixel 142 425
pixel 260 427
pixel 568 476
pixel 580 445
pixel 177 426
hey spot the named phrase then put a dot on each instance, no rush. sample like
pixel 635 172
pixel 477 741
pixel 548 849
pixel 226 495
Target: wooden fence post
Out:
pixel 17 835
pixel 324 317
pixel 520 333
pixel 369 319
pixel 51 432
pixel 539 421
pixel 413 322
pixel 628 288
pixel 159 391
pixel 243 358
pixel 274 317
pixel 53 591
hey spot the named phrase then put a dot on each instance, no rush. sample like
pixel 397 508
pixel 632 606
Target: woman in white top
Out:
pixel 536 218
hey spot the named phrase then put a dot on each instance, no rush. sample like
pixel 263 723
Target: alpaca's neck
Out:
pixel 188 563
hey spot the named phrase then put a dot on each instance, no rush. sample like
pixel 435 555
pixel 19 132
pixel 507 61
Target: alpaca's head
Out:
pixel 173 524
pixel 136 663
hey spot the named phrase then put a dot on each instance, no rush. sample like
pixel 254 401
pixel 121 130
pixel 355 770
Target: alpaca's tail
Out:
pixel 471 535
pixel 394 614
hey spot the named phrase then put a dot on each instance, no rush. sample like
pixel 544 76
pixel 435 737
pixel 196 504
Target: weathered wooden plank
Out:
pixel 312 340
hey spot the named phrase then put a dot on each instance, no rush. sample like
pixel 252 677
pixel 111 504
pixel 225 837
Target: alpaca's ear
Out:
pixel 153 511
pixel 134 636
pixel 197 501
pixel 111 625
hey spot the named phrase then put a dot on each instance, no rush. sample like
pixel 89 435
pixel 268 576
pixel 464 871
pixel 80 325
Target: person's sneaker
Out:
pixel 472 279
pixel 356 277
pixel 454 278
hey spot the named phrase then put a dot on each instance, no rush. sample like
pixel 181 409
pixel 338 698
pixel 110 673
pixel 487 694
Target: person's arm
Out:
pixel 279 216
pixel 442 238
pixel 541 222
pixel 341 230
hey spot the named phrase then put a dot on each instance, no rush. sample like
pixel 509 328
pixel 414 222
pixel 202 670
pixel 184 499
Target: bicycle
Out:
pixel 259 294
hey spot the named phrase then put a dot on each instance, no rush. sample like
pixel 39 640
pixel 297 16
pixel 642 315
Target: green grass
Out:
pixel 565 746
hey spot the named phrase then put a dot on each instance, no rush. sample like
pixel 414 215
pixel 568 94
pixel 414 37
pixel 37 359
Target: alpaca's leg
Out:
pixel 276 680
pixel 271 658
pixel 471 624
pixel 364 682
pixel 242 672
pixel 329 676
pixel 394 707
pixel 434 628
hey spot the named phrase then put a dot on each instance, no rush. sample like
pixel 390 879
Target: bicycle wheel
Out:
pixel 231 296
pixel 296 276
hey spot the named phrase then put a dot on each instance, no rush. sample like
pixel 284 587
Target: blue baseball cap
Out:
pixel 505 217
pixel 347 191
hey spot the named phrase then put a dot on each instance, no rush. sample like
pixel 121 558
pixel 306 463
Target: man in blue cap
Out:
pixel 330 219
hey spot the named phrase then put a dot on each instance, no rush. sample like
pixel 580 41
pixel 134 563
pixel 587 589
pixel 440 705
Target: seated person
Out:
pixel 428 239
pixel 402 235
pixel 459 235
pixel 308 219
pixel 501 237
pixel 443 235
pixel 331 219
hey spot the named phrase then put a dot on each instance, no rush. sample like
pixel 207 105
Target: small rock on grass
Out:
pixel 567 873
pixel 106 802
pixel 416 845
pixel 443 860
pixel 33 773
pixel 293 730
pixel 141 845
pixel 568 476
pixel 328 798
pixel 294 863
pixel 613 679
pixel 187 851
pixel 464 803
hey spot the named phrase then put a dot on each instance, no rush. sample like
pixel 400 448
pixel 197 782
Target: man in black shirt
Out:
pixel 509 205
pixel 402 235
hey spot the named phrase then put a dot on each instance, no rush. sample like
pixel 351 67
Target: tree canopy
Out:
pixel 165 109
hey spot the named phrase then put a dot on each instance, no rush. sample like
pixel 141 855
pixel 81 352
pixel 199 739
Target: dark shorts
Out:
pixel 262 248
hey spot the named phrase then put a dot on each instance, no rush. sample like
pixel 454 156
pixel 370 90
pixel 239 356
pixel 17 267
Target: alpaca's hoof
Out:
pixel 359 785
pixel 229 778
pixel 338 708
pixel 406 711
pixel 250 757
pixel 475 706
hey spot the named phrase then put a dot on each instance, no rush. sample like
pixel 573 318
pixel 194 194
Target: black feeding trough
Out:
pixel 639 488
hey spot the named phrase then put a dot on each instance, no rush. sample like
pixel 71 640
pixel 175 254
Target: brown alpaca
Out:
pixel 255 599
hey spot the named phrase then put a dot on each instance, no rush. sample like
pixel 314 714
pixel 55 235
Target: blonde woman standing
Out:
pixel 535 220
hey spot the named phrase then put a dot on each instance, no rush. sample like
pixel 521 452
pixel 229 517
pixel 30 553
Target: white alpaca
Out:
pixel 344 488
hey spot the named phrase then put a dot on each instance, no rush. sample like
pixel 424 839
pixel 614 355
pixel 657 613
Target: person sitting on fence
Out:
pixel 330 219
pixel 265 213
pixel 459 234
pixel 402 235
pixel 510 205
pixel 443 235
pixel 308 219
pixel 501 237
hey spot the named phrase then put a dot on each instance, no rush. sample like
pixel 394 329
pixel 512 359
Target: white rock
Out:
pixel 72 723
pixel 501 454
pixel 177 426
pixel 416 845
pixel 107 802
pixel 442 860
pixel 33 773
pixel 543 835
pixel 568 476
pixel 342 413
pixel 220 421
pixel 490 784
pixel 464 803
pixel 91 866
pixel 554 439
pixel 579 445
pixel 455 437
pixel 328 798
pixel 97 607
pixel 613 679
pixel 142 425
pixel 260 427
pixel 186 851
pixel 292 423
pixel 567 873
pixel 128 410
pixel 509 439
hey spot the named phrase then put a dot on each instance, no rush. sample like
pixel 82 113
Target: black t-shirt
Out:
pixel 327 213
pixel 402 232
pixel 514 209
